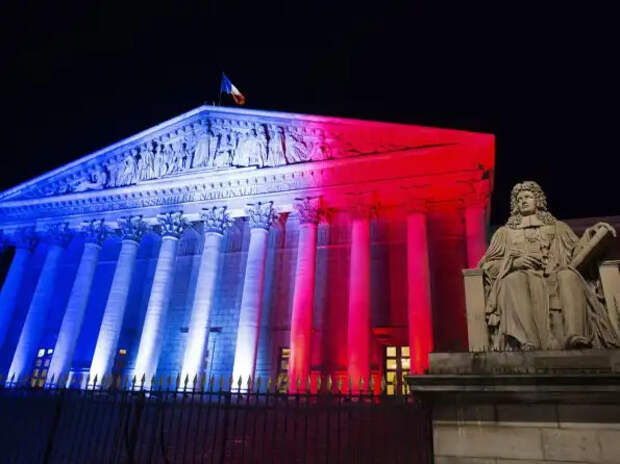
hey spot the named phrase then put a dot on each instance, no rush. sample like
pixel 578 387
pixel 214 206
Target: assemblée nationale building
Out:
pixel 233 242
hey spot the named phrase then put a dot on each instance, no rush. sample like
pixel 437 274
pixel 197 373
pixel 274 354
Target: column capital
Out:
pixel 309 210
pixel 172 224
pixel 216 219
pixel 261 215
pixel 479 195
pixel 95 231
pixel 25 237
pixel 58 234
pixel 131 228
pixel 416 205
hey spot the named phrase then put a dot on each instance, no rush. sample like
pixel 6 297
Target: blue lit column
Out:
pixel 172 226
pixel 58 236
pixel 95 232
pixel 25 240
pixel 216 220
pixel 261 216
pixel 132 229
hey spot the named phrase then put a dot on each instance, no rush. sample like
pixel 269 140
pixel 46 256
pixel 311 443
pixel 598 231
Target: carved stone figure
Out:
pixel 250 150
pixel 320 149
pixel 146 163
pixel 296 148
pixel 536 298
pixel 225 151
pixel 275 152
pixel 160 161
pixel 129 170
pixel 96 180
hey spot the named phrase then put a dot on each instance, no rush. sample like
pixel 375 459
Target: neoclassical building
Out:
pixel 233 242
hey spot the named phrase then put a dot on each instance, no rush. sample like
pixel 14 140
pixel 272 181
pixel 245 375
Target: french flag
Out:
pixel 228 87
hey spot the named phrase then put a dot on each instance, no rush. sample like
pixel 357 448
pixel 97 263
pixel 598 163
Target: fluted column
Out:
pixel 418 290
pixel 261 215
pixel 58 236
pixel 172 226
pixel 216 221
pixel 25 240
pixel 476 222
pixel 95 232
pixel 303 297
pixel 358 327
pixel 132 229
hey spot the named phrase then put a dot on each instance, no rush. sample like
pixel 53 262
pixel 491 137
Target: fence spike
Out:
pixel 361 384
pixel 177 384
pixel 203 381
pixel 230 382
pixel 350 384
pixel 297 384
pixel 371 384
pixel 258 384
pixel 329 384
pixel 268 384
pixel 142 381
pixel 94 381
pixel 185 382
pixel 160 382
pixel 87 381
pixel 12 379
pixel 168 382
pixel 239 382
pixel 319 381
pixel 308 384
pixel 221 383
pixel 285 380
pixel 383 384
pixel 211 383
pixel 153 382
pixel 249 384
pixel 339 385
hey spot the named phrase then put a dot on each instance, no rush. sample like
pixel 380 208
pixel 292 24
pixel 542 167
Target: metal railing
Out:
pixel 119 421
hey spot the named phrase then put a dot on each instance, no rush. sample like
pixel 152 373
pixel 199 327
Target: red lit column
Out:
pixel 303 298
pixel 476 223
pixel 358 328
pixel 419 291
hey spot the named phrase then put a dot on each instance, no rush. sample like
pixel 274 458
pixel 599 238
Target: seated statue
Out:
pixel 536 299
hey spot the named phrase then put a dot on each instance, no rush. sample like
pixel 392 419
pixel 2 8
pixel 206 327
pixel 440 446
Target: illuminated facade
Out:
pixel 239 242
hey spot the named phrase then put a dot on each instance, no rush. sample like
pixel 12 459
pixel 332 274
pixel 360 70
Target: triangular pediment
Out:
pixel 216 138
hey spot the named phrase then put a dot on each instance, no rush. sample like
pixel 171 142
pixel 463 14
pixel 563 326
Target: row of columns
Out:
pixel 216 221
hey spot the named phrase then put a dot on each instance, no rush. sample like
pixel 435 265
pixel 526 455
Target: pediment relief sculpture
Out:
pixel 206 144
pixel 540 290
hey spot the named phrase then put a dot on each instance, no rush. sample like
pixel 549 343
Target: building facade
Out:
pixel 229 242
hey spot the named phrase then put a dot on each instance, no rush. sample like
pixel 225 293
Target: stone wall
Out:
pixel 527 434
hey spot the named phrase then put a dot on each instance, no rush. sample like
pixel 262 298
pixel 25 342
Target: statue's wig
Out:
pixel 541 204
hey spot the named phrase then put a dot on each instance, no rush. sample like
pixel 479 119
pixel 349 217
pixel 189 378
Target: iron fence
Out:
pixel 206 423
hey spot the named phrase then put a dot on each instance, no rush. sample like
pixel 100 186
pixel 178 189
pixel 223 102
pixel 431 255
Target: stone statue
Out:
pixel 275 153
pixel 96 180
pixel 296 149
pixel 145 163
pixel 536 299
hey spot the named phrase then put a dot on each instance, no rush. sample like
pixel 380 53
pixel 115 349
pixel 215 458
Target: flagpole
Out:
pixel 219 101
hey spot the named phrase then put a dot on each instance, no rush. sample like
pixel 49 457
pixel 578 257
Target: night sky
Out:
pixel 82 75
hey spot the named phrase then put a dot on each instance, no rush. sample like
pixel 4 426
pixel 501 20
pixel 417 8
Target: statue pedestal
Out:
pixel 523 407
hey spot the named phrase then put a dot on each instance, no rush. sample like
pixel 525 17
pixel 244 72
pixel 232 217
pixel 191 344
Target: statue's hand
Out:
pixel 607 226
pixel 527 262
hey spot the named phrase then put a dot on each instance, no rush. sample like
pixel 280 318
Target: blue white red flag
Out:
pixel 228 87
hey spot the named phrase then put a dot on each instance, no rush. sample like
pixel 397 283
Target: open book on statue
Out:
pixel 593 249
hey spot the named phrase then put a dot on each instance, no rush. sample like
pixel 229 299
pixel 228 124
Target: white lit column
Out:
pixel 303 297
pixel 132 229
pixel 358 327
pixel 476 223
pixel 261 216
pixel 172 226
pixel 25 240
pixel 58 236
pixel 216 221
pixel 95 233
pixel 418 290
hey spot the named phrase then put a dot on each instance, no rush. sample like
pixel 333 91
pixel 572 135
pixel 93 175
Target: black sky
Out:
pixel 81 75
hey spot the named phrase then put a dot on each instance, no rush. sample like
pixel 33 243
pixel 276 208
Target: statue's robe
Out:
pixel 542 308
